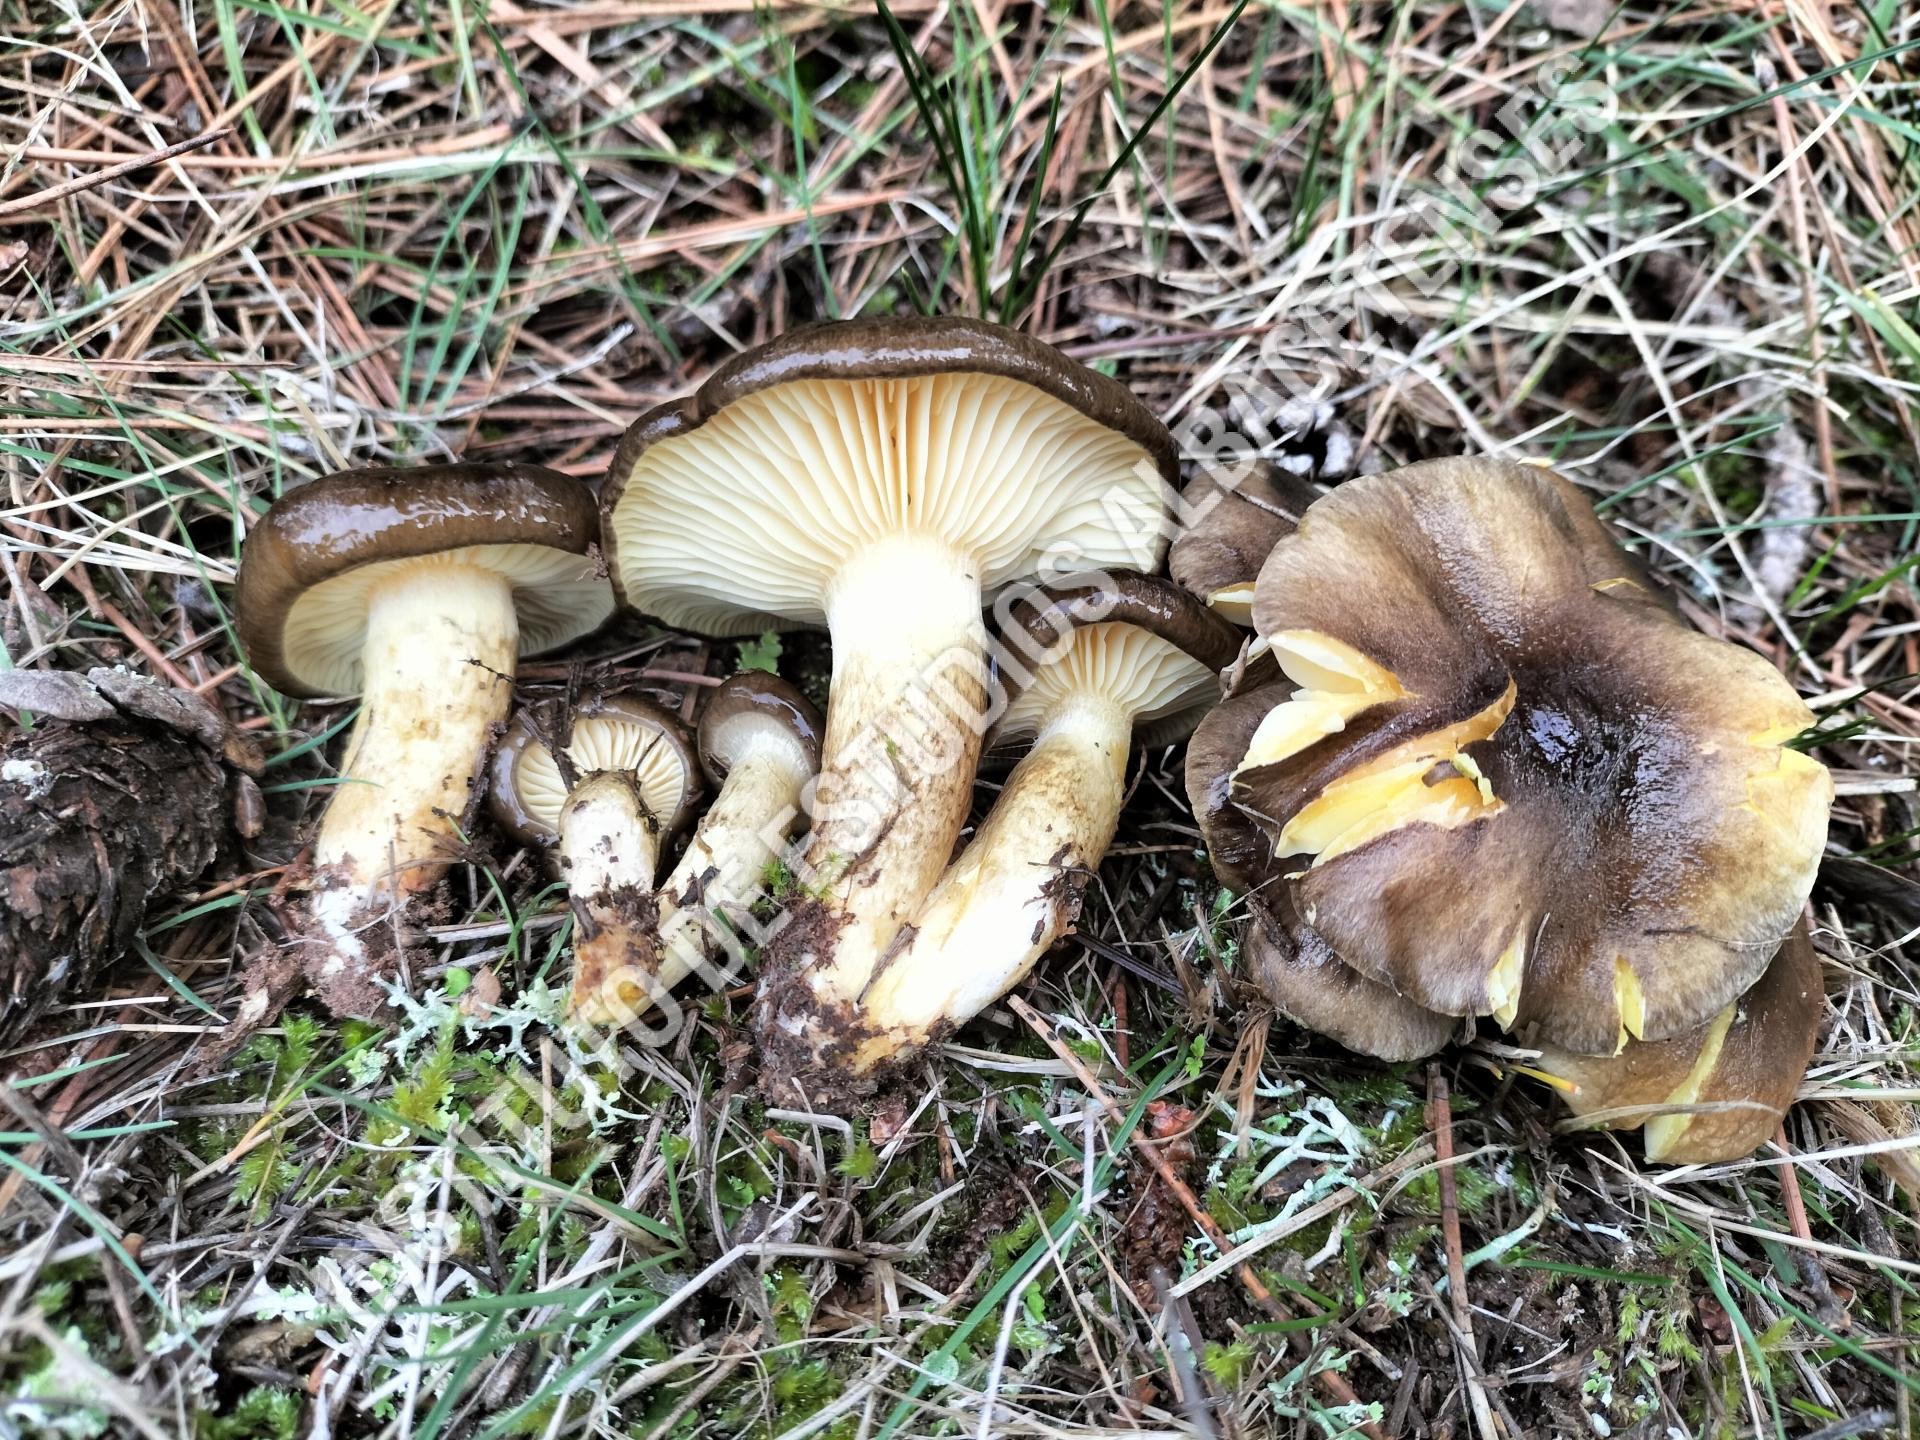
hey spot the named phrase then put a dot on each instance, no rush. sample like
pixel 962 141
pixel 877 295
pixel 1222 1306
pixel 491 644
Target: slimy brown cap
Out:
pixel 311 565
pixel 750 706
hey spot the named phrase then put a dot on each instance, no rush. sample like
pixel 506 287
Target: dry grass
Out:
pixel 502 231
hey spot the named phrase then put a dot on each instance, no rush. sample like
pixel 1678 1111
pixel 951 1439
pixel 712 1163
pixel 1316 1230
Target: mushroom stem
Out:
pixel 904 726
pixel 1014 891
pixel 439 658
pixel 609 845
pixel 741 833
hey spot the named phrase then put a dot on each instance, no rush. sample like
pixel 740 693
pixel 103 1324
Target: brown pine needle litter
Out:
pixel 1671 248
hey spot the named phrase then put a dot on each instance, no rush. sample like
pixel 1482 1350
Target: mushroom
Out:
pixel 1095 665
pixel 1286 959
pixel 1514 783
pixel 1717 1092
pixel 1230 521
pixel 885 478
pixel 630 780
pixel 416 589
pixel 759 742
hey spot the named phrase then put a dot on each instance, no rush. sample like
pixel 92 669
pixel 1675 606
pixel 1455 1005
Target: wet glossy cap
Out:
pixel 752 709
pixel 311 565
pixel 1510 781
pixel 526 791
pixel 730 511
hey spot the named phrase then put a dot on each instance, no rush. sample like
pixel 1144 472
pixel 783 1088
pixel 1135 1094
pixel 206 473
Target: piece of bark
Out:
pixel 121 790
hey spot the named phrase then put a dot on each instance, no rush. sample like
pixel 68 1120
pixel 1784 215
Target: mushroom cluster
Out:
pixel 1501 777
pixel 926 490
pixel 1470 764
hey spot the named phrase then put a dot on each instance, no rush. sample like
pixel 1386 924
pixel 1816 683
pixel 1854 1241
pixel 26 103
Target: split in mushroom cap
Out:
pixel 1715 1093
pixel 1131 652
pixel 1517 783
pixel 884 477
pixel 1289 961
pixel 419 588
pixel 760 743
pixel 1230 523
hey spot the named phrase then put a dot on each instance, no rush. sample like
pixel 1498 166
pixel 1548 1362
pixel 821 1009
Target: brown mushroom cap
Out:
pixel 1744 1067
pixel 1141 638
pixel 1241 850
pixel 311 563
pixel 841 433
pixel 1233 520
pixel 1517 783
pixel 526 791
pixel 1296 969
pixel 749 706
pixel 1290 962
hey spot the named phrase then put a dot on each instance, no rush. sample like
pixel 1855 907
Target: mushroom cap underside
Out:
pixel 609 733
pixel 733 510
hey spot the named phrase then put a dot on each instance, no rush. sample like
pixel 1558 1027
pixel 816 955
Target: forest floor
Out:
pixel 1673 248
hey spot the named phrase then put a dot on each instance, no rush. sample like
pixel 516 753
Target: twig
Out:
pixel 1827 1306
pixel 1440 1119
pixel 59 192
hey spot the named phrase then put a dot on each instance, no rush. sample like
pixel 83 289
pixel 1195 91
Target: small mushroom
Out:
pixel 417 589
pixel 1130 656
pixel 1512 782
pixel 759 742
pixel 1715 1093
pixel 1230 522
pixel 630 780
pixel 1285 958
pixel 885 478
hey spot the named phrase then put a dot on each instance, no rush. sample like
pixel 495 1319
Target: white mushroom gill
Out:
pixel 891 509
pixel 557 594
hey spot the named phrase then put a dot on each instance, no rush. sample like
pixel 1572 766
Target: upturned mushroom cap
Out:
pixel 731 511
pixel 1140 639
pixel 1742 1069
pixel 1232 521
pixel 312 563
pixel 526 791
pixel 1515 782
pixel 752 708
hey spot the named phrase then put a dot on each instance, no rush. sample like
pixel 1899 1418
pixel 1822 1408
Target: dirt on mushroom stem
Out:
pixel 439 657
pixel 1002 905
pixel 609 845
